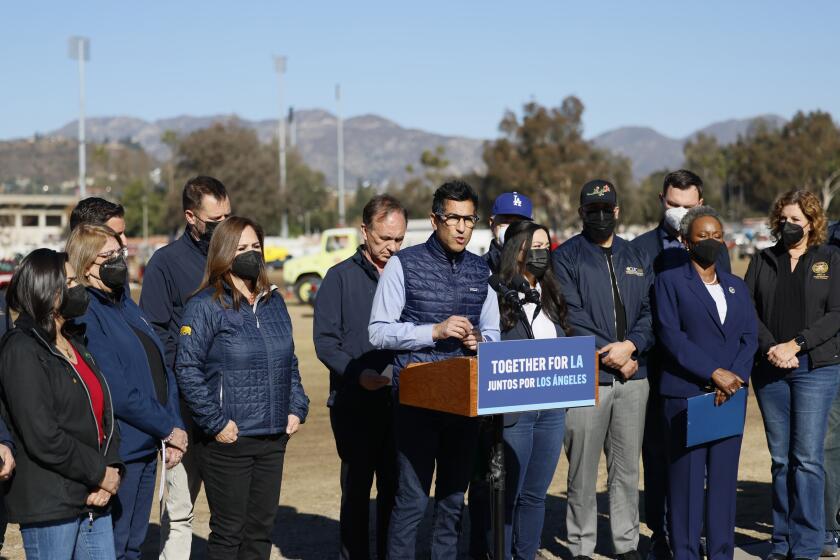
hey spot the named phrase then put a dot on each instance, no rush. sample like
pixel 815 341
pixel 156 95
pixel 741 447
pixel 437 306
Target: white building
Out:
pixel 29 221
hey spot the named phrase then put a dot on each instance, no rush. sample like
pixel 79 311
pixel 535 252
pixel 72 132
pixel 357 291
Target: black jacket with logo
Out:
pixel 583 271
pixel 48 409
pixel 822 302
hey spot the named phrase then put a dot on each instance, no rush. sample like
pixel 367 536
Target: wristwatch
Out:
pixel 800 341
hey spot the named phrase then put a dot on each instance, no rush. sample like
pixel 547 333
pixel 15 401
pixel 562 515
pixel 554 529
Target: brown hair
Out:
pixel 83 246
pixel 810 205
pixel 220 257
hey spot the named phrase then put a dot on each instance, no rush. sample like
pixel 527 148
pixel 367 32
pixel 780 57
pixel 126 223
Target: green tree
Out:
pixel 132 197
pixel 249 170
pixel 545 156
pixel 705 157
pixel 416 193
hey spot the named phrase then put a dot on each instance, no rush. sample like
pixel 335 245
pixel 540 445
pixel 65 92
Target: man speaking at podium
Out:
pixel 433 303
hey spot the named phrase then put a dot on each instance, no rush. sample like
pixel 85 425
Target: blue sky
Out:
pixel 444 66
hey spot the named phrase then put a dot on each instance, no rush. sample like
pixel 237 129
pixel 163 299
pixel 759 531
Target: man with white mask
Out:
pixel 681 191
pixel 508 208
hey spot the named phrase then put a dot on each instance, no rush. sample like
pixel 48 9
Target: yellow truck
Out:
pixel 304 274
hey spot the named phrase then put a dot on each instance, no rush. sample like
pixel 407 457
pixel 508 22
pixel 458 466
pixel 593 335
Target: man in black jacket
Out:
pixel 172 275
pixel 606 283
pixel 360 396
pixel 681 191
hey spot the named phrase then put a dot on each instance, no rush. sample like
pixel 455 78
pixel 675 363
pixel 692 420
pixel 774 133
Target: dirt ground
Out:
pixel 307 516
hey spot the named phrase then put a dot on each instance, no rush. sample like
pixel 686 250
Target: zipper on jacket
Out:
pixel 611 272
pixel 87 392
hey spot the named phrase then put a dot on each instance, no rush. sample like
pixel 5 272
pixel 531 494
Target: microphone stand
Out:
pixel 496 466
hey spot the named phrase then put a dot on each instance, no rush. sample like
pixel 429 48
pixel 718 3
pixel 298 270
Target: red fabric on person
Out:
pixel 97 397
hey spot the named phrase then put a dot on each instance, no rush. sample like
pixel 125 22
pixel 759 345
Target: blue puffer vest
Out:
pixel 437 286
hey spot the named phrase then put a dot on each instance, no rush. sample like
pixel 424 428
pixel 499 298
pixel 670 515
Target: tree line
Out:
pixel 541 152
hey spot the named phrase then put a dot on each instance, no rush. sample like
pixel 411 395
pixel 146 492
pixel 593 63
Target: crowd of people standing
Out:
pixel 201 378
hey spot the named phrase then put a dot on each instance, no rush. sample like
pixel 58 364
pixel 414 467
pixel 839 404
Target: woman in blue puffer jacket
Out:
pixel 237 370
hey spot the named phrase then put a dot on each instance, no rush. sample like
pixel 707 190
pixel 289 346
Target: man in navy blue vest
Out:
pixel 606 284
pixel 681 191
pixel 433 303
pixel 174 272
pixel 360 400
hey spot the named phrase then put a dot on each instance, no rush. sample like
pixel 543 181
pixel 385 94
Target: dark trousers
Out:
pixel 242 482
pixel 702 485
pixel 364 439
pixel 480 494
pixel 654 459
pixel 425 440
pixel 132 505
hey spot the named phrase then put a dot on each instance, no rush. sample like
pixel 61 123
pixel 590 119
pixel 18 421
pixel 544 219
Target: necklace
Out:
pixel 712 283
pixel 67 351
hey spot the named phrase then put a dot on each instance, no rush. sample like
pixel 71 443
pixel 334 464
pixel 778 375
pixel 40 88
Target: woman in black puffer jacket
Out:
pixel 58 407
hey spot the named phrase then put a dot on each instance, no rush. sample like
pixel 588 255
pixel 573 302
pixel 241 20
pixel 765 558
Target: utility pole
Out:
pixel 340 134
pixel 280 67
pixel 78 48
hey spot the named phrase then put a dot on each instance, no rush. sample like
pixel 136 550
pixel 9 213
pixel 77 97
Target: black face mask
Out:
pixel 598 225
pixel 705 252
pixel 248 265
pixel 204 238
pixel 537 262
pixel 75 302
pixel 791 234
pixel 114 273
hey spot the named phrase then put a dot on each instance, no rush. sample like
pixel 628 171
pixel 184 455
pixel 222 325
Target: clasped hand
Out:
pixel 784 355
pixel 619 355
pixel 107 487
pixel 459 328
pixel 726 384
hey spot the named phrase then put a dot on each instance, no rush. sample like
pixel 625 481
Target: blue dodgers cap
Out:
pixel 513 203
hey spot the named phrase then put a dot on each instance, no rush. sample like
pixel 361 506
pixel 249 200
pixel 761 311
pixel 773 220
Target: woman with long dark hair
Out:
pixel 237 370
pixel 58 406
pixel 797 295
pixel 534 442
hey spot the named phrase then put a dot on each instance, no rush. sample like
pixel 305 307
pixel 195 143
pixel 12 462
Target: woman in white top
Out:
pixel 533 443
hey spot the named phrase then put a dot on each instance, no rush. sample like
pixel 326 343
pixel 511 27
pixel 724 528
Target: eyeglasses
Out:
pixel 453 220
pixel 121 252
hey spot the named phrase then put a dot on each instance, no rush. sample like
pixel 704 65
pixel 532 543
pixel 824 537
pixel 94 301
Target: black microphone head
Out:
pixel 520 284
pixel 496 282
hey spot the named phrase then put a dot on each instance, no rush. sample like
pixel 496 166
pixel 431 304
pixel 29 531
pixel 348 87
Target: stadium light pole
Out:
pixel 280 67
pixel 340 141
pixel 78 48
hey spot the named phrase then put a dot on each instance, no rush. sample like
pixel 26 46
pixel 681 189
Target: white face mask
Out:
pixel 500 233
pixel 674 216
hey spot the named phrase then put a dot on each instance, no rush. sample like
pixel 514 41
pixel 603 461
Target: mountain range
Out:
pixel 378 149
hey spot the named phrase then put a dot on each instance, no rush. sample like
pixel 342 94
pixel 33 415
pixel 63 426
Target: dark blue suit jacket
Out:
pixel 693 341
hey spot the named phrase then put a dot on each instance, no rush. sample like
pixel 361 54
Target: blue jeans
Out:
pixel 427 440
pixel 532 449
pixel 132 506
pixel 72 539
pixel 795 411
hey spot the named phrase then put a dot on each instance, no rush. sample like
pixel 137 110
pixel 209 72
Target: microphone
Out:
pixel 509 295
pixel 520 284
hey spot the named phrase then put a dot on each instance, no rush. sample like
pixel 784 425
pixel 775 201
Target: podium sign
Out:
pixel 521 375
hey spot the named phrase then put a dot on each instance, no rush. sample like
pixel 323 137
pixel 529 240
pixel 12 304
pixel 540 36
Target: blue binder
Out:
pixel 707 422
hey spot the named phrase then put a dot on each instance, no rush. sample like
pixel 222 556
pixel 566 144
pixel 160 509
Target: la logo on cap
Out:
pixel 516 200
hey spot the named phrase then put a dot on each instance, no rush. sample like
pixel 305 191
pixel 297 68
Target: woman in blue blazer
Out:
pixel 707 324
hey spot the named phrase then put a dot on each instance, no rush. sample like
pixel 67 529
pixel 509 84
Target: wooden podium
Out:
pixel 446 386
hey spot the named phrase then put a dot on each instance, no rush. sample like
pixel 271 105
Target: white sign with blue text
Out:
pixel 520 375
